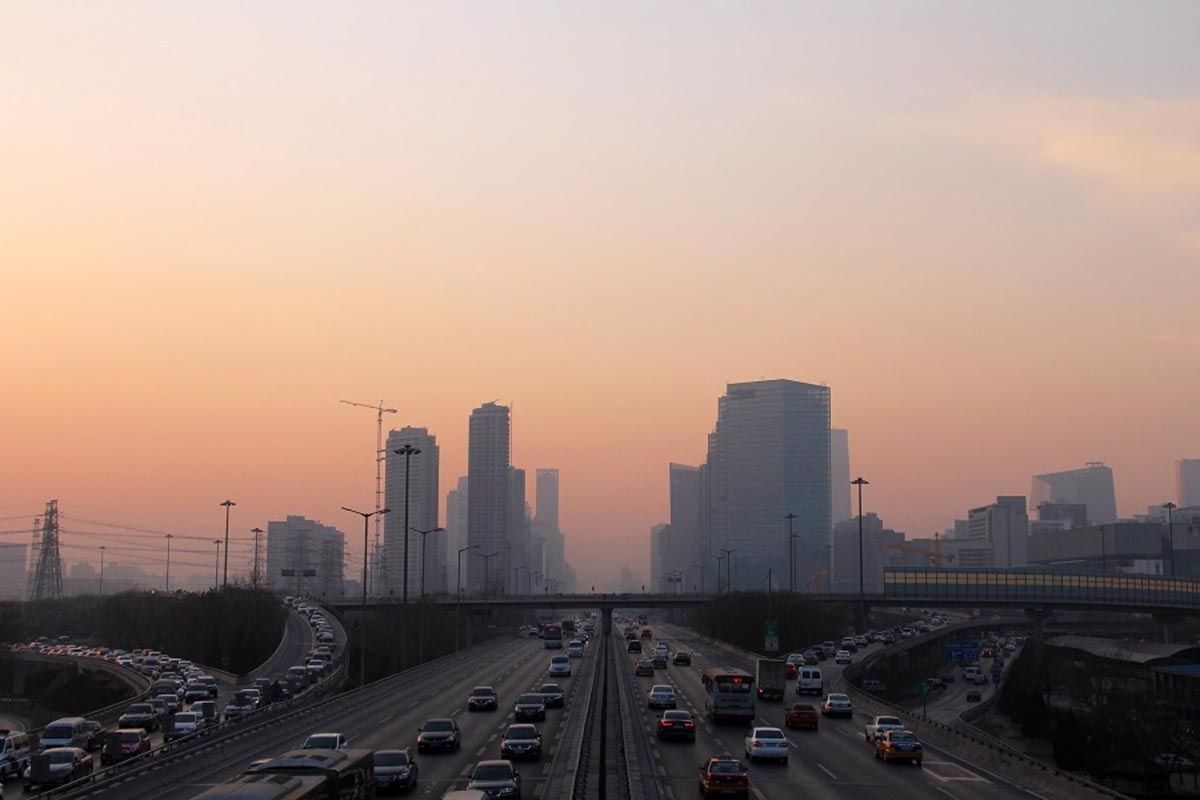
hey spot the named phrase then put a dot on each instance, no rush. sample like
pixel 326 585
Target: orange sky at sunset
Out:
pixel 216 222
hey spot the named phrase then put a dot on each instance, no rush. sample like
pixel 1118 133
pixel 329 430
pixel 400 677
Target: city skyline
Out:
pixel 206 243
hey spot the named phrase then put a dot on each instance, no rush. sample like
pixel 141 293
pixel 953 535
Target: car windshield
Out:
pixel 492 772
pixel 677 715
pixel 391 759
pixel 57 732
pixel 662 690
pixel 903 736
pixel 436 725
pixel 550 688
pixel 139 708
pixel 129 737
pixel 60 756
pixel 838 698
pixel 188 717
pixel 726 767
pixel 768 733
pixel 483 691
pixel 733 687
pixel 803 707
pixel 521 732
pixel 530 698
pixel 887 721
pixel 321 742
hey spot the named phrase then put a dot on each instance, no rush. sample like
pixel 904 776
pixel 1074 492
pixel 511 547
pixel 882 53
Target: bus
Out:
pixel 348 774
pixel 728 694
pixel 552 637
pixel 269 787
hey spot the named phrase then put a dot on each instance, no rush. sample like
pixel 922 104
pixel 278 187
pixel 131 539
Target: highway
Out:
pixel 835 762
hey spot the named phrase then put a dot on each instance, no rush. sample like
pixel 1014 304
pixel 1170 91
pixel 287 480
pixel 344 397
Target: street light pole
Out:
pixel 167 587
pixel 228 505
pixel 791 553
pixel 1169 506
pixel 408 451
pixel 254 574
pixel 487 605
pixel 728 551
pixel 421 621
pixel 458 604
pixel 860 482
pixel 718 559
pixel 362 623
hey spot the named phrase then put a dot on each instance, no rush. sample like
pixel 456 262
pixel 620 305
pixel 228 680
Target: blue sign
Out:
pixel 962 652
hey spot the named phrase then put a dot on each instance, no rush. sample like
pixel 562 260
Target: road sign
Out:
pixel 771 636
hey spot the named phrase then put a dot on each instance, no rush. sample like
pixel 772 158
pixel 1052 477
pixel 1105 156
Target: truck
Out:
pixel 771 678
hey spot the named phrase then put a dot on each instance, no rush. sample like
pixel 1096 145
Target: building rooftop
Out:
pixel 1148 653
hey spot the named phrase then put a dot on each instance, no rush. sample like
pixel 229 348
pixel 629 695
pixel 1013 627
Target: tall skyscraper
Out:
pixel 306 557
pixel 1005 526
pixel 456 530
pixel 1092 485
pixel 516 579
pixel 687 549
pixel 547 497
pixel 423 515
pixel 1187 482
pixel 839 473
pixel 769 456
pixel 488 453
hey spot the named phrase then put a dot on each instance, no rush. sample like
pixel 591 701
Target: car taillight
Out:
pixel 664 723
pixel 755 742
pixel 689 724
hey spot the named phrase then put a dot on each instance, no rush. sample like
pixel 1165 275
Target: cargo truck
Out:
pixel 771 678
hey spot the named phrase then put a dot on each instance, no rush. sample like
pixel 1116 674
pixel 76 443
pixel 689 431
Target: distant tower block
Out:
pixel 47 570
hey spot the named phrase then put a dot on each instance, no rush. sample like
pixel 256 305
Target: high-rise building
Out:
pixel 547 497
pixel 687 549
pixel 768 457
pixel 516 579
pixel 12 570
pixel 1004 525
pixel 1187 482
pixel 659 544
pixel 1075 514
pixel 305 557
pixel 456 530
pixel 488 453
pixel 878 551
pixel 423 515
pixel 839 474
pixel 1092 486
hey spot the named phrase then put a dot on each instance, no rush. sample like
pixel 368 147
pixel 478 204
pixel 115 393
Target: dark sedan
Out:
pixel 676 725
pixel 395 771
pixel 482 698
pixel 438 735
pixel 521 741
pixel 552 695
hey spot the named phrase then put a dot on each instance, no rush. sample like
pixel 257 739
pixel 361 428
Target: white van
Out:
pixel 14 753
pixel 65 732
pixel 810 681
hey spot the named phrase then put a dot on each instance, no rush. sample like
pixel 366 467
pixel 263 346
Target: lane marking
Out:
pixel 827 772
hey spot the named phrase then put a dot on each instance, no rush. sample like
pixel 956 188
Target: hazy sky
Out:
pixel 979 223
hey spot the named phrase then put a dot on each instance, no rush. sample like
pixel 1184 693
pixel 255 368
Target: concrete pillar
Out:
pixel 606 615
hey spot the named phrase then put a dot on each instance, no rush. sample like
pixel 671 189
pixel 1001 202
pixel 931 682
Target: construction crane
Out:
pixel 936 556
pixel 379 459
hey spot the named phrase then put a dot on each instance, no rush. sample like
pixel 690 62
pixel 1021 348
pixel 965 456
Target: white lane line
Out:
pixel 827 772
pixel 757 793
pixel 481 751
pixel 945 792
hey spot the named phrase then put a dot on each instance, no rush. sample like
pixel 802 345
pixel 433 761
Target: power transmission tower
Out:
pixel 34 554
pixel 380 578
pixel 47 570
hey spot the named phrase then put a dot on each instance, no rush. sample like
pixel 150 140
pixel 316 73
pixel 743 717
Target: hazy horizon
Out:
pixel 978 224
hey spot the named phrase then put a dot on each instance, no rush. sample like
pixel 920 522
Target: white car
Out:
pixel 837 705
pixel 767 743
pixel 842 657
pixel 878 725
pixel 326 741
pixel 560 667
pixel 575 648
pixel 660 696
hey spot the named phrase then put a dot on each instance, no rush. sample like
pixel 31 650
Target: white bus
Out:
pixel 729 694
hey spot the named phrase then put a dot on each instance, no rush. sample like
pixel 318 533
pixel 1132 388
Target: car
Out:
pixel 529 706
pixel 901 745
pixel 521 741
pixel 438 734
pixel 55 766
pixel 861 641
pixel 880 725
pixel 634 646
pixel 768 743
pixel 676 725
pixel 724 777
pixel 170 701
pixel 160 707
pixel 183 724
pixel 842 657
pixel 496 778
pixel 644 668
pixel 660 696
pixel 552 695
pixel 65 732
pixel 139 715
pixel 124 743
pixel 206 709
pixel 195 693
pixel 810 680
pixel 326 741
pixel 682 658
pixel 575 648
pixel 482 698
pixel 235 710
pixel 659 661
pixel 646 634
pixel 974 696
pixel 849 645
pixel 395 771
pixel 986 653
pixel 802 715
pixel 560 667
pixel 95 734
pixel 837 705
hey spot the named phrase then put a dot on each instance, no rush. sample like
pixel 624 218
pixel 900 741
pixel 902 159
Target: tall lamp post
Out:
pixel 362 634
pixel 791 553
pixel 860 482
pixel 217 566
pixel 254 573
pixel 718 559
pixel 225 579
pixel 424 534
pixel 167 586
pixel 458 604
pixel 408 451
pixel 421 621
pixel 1169 506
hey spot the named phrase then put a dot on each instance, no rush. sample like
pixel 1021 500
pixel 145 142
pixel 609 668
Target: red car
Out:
pixel 724 777
pixel 802 715
pixel 124 743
